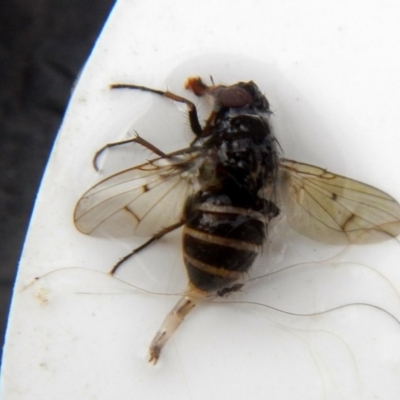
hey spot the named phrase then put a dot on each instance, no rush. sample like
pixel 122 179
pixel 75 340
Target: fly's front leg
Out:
pixel 157 236
pixel 170 325
pixel 137 139
pixel 192 111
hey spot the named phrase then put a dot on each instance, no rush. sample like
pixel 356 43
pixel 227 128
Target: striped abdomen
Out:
pixel 220 243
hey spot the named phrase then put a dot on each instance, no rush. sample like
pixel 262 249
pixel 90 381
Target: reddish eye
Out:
pixel 233 97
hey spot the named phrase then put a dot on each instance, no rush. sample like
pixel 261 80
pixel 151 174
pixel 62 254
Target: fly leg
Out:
pixel 137 139
pixel 192 111
pixel 227 291
pixel 157 236
pixel 170 325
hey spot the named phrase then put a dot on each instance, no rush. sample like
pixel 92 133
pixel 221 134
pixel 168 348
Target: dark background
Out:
pixel 43 46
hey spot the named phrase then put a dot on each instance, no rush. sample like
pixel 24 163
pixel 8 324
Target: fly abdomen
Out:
pixel 220 244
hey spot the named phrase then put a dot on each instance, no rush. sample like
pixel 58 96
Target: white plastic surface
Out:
pixel 331 73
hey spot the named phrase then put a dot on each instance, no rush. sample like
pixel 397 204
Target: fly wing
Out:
pixel 330 208
pixel 139 201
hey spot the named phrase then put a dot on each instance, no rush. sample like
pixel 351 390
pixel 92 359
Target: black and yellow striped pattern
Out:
pixel 220 245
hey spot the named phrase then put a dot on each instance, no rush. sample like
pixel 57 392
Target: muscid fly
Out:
pixel 225 189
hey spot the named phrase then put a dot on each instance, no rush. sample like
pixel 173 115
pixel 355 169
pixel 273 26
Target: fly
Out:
pixel 225 189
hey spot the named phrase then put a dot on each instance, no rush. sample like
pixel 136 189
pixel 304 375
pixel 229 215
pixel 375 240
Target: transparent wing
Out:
pixel 139 201
pixel 334 209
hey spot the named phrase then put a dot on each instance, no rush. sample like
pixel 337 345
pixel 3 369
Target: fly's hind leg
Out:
pixel 136 139
pixel 227 291
pixel 157 236
pixel 170 325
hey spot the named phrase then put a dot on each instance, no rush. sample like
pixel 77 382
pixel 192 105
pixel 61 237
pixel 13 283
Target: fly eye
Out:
pixel 234 97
